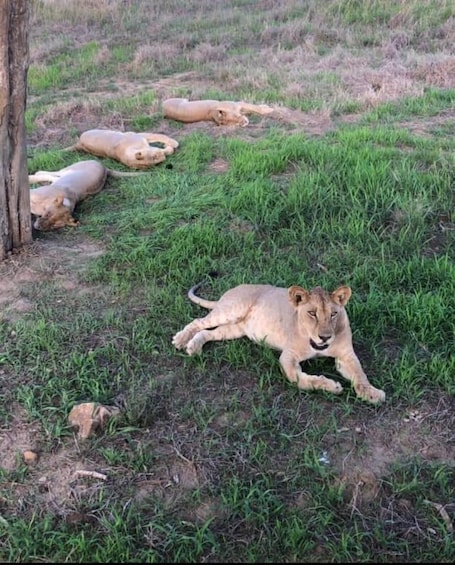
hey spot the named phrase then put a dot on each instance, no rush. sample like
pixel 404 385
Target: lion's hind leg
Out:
pixel 169 144
pixel 182 337
pixel 262 109
pixel 43 176
pixel 215 326
pixel 228 331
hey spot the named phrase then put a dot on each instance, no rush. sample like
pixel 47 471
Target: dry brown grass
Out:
pixel 205 30
pixel 317 58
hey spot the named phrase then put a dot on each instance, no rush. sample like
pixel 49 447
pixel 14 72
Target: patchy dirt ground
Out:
pixel 361 453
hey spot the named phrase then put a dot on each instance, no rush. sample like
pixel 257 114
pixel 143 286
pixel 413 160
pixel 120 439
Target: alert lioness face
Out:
pixel 299 323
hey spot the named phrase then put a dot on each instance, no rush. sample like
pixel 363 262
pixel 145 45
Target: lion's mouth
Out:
pixel 314 345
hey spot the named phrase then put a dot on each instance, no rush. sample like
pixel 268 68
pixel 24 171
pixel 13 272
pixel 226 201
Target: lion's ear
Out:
pixel 298 295
pixel 341 295
pixel 219 116
pixel 59 200
pixel 138 155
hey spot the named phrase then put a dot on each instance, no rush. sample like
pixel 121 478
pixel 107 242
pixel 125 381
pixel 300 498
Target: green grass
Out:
pixel 431 103
pixel 353 203
pixel 217 457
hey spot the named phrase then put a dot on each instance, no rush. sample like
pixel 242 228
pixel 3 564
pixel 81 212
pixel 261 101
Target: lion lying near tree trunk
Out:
pixel 301 324
pixel 222 113
pixel 54 203
pixel 130 148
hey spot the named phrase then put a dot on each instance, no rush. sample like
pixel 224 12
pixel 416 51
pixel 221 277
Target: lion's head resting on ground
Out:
pixel 223 115
pixel 56 215
pixel 137 157
pixel 134 149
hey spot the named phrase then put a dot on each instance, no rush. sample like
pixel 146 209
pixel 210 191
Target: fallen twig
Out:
pixel 92 474
pixel 440 508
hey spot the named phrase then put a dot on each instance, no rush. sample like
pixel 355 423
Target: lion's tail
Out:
pixel 74 147
pixel 209 304
pixel 122 174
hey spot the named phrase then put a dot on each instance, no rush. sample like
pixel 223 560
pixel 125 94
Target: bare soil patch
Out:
pixel 362 453
pixel 46 259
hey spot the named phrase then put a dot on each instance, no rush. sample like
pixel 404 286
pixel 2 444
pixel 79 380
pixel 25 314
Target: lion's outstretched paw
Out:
pixel 318 382
pixel 333 386
pixel 265 109
pixel 370 393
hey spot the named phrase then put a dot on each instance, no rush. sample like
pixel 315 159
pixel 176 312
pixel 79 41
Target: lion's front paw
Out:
pixel 370 393
pixel 332 386
pixel 316 382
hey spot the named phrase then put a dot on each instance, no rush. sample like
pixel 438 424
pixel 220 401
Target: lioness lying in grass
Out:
pixel 222 113
pixel 130 148
pixel 301 324
pixel 53 204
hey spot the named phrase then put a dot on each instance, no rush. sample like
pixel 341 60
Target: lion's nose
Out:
pixel 324 338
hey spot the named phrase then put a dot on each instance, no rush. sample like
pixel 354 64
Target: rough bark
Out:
pixel 15 217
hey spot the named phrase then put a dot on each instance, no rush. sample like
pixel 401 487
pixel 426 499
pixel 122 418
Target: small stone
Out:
pixel 30 457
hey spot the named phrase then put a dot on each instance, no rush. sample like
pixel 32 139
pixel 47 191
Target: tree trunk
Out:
pixel 15 217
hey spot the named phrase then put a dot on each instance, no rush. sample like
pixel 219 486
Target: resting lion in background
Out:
pixel 222 113
pixel 130 148
pixel 54 203
pixel 300 323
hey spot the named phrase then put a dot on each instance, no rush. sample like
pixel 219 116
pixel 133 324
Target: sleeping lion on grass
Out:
pixel 130 148
pixel 300 323
pixel 224 113
pixel 54 204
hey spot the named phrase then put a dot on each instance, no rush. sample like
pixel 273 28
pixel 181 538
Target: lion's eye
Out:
pixel 312 313
pixel 334 314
